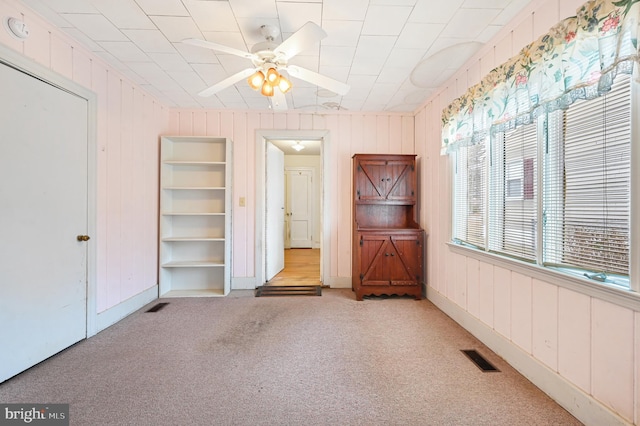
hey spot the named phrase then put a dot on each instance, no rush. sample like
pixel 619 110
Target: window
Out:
pixel 558 189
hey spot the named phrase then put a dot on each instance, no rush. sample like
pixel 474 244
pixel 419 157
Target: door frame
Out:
pixel 262 136
pixel 21 63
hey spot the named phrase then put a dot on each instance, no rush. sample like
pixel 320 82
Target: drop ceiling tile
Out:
pixel 510 12
pixel 151 41
pixel 171 62
pixel 189 81
pixel 212 15
pixel 233 64
pixel 71 6
pixel 418 36
pixel 341 10
pixel 134 77
pixel 194 54
pixel 371 54
pixel 96 27
pixel 473 21
pixel 341 33
pixel 125 51
pixel 393 75
pixel 231 39
pixel 488 33
pixel 385 20
pixel 124 14
pixel 176 29
pixel 430 12
pixel 163 7
pixel 485 4
pixel 405 58
pixel 82 38
pixel 254 8
pixel 295 15
pixel 336 55
pixel 337 73
pixel 210 73
pixel 151 72
pixel 111 60
pixel 46 12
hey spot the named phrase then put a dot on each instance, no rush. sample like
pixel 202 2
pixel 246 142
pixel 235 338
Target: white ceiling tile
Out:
pixel 336 55
pixel 209 102
pixel 46 12
pixel 488 33
pixel 111 60
pixel 212 15
pixel 176 29
pixel 393 75
pixel 308 62
pixel 150 40
pixel 341 33
pixel 210 73
pixel 125 51
pixel 385 20
pixel 137 79
pixel 71 6
pixel 163 7
pixel 124 13
pixel 233 64
pixel 485 4
pixel 341 10
pixel 337 73
pixel 197 55
pixel 405 58
pixel 84 39
pixel 510 11
pixel 97 27
pixel 417 35
pixel 434 12
pixel 171 62
pixel 189 81
pixel 294 15
pixel 254 8
pixel 474 21
pixel 371 54
pixel 231 39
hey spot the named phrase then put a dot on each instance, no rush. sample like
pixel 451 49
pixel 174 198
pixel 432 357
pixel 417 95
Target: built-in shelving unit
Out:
pixel 195 216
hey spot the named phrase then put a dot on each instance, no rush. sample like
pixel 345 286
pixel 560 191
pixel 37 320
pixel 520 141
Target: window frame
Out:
pixel 622 295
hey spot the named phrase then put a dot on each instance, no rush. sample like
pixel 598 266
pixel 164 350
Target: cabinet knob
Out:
pixel 83 237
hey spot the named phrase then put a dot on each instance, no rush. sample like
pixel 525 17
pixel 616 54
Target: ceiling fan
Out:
pixel 269 60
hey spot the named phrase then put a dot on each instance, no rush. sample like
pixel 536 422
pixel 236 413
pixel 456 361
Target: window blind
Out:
pixel 470 195
pixel 587 184
pixel 513 192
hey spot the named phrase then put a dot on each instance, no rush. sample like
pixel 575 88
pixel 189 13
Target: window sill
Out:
pixel 609 293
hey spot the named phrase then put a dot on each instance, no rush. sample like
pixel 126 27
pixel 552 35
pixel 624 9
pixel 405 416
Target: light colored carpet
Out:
pixel 242 360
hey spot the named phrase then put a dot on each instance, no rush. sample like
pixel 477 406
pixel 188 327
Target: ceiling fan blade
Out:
pixel 218 47
pixel 302 39
pixel 318 79
pixel 278 101
pixel 229 81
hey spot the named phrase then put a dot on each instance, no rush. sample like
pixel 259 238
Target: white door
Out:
pixel 274 224
pixel 300 196
pixel 43 208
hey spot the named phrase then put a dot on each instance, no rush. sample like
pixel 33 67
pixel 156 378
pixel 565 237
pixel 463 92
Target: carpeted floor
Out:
pixel 242 360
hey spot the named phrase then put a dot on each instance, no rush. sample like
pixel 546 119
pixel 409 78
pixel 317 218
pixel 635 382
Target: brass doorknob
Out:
pixel 83 238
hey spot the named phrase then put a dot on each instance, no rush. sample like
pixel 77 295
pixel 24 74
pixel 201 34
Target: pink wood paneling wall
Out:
pixel 128 124
pixel 349 134
pixel 593 344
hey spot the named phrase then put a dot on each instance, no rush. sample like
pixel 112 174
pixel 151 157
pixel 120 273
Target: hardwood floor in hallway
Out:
pixel 301 267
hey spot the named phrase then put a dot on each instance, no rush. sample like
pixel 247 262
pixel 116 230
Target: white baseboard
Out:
pixel 246 283
pixel 121 310
pixel 337 282
pixel 582 406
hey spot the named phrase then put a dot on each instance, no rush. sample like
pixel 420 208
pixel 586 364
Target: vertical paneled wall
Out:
pixel 349 134
pixel 591 343
pixel 128 124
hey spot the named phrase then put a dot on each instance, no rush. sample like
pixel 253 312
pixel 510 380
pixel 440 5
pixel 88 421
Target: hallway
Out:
pixel 301 267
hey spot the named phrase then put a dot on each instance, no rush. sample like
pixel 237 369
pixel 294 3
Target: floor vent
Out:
pixel 157 307
pixel 479 360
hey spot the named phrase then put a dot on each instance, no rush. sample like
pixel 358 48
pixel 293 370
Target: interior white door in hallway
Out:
pixel 274 214
pixel 43 212
pixel 300 197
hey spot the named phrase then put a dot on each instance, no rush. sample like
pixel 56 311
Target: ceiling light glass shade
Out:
pixel 267 89
pixel 256 80
pixel 273 77
pixel 297 146
pixel 284 85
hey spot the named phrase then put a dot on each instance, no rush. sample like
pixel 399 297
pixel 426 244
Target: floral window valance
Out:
pixel 577 59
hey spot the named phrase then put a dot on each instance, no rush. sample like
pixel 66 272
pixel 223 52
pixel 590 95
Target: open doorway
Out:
pixel 297 248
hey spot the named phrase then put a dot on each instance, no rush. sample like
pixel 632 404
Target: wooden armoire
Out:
pixel 387 240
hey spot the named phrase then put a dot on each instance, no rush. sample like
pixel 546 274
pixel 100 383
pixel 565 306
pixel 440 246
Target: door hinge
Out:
pixel 358 193
pixel 361 241
pixel 361 277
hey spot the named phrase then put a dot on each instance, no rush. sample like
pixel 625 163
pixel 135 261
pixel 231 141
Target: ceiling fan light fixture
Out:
pixel 284 85
pixel 273 77
pixel 256 79
pixel 297 146
pixel 267 88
